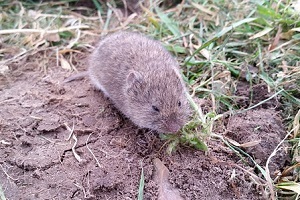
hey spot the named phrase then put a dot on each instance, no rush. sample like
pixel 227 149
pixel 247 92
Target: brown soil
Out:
pixel 37 162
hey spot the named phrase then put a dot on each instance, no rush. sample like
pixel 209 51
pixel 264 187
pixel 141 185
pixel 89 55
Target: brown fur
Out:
pixel 140 76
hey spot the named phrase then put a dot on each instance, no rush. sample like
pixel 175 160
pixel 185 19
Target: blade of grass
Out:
pixel 268 12
pixel 98 6
pixel 293 186
pixel 12 31
pixel 171 25
pixel 233 26
pixel 261 33
pixel 141 186
pixel 108 18
pixel 261 102
pixel 2 196
pixel 206 44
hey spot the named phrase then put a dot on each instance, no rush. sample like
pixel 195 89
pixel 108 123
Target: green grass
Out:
pixel 2 196
pixel 142 185
pixel 216 43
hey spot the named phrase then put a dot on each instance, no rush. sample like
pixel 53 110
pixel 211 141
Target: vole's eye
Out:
pixel 155 108
pixel 179 103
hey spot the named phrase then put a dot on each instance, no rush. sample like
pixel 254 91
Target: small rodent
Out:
pixel 142 79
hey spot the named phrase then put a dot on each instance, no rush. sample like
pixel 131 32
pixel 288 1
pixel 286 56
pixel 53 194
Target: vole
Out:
pixel 142 79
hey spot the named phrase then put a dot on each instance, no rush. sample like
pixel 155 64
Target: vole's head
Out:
pixel 157 101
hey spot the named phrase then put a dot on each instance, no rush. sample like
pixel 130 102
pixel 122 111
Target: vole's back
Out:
pixel 123 51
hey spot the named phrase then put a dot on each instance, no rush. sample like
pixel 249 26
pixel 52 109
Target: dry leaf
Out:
pixel 296 124
pixel 205 53
pixel 34 14
pixel 28 39
pixel 68 50
pixel 293 186
pixel 250 144
pixel 261 33
pixel 287 35
pixel 235 143
pixel 296 29
pixel 52 37
pixel 276 39
pixel 4 69
pixel 64 63
pixel 246 144
pixel 165 191
pixel 129 19
pixel 203 9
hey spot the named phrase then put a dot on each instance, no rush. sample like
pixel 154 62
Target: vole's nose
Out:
pixel 173 127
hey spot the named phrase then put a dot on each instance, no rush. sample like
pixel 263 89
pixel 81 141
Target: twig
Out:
pixel 75 143
pixel 260 103
pixel 7 174
pixel 11 31
pixel 86 143
pixel 267 175
pixel 74 150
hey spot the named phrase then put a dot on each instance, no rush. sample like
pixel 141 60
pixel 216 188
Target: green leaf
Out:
pixel 206 44
pixel 66 35
pixel 168 136
pixel 175 48
pixel 98 6
pixel 2 196
pixel 198 144
pixel 233 26
pixel 154 22
pixel 293 186
pixel 268 12
pixel 171 25
pixel 172 146
pixel 141 187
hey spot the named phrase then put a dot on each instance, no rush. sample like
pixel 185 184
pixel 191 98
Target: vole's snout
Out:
pixel 173 127
pixel 173 124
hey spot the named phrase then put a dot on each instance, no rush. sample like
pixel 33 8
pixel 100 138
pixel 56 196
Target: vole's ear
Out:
pixel 134 81
pixel 134 78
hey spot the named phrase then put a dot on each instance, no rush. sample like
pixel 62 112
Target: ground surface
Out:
pixel 36 156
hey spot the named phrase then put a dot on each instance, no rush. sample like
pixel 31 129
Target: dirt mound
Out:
pixel 265 127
